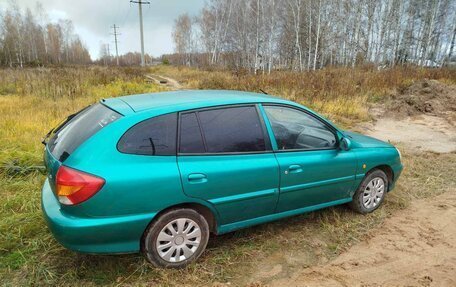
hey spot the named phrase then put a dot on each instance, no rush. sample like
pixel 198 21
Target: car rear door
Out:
pixel 313 170
pixel 225 158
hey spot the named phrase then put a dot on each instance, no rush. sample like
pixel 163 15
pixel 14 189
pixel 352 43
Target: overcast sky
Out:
pixel 92 20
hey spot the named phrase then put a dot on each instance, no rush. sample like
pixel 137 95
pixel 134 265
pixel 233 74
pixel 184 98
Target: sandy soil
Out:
pixel 416 133
pixel 415 247
pixel 422 117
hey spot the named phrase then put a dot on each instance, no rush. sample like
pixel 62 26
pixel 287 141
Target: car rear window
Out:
pixel 79 128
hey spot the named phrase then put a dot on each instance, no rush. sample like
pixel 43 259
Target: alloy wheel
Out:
pixel 178 240
pixel 373 193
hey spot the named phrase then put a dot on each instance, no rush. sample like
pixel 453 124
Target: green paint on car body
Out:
pixel 239 189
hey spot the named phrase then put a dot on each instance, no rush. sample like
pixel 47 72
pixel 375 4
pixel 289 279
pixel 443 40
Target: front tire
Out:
pixel 176 238
pixel 371 192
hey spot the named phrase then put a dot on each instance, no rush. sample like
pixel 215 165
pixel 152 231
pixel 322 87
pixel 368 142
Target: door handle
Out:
pixel 197 178
pixel 295 168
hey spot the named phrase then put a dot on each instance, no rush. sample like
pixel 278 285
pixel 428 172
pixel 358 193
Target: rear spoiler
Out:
pixel 55 129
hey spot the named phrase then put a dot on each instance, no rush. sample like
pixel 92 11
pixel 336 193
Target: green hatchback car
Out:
pixel 159 172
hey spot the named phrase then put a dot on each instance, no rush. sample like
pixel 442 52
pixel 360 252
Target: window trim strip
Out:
pixel 269 130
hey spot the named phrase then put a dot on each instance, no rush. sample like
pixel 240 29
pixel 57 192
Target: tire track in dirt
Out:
pixel 415 247
pixel 162 80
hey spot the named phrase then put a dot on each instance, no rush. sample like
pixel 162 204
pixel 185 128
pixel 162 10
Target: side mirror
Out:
pixel 345 144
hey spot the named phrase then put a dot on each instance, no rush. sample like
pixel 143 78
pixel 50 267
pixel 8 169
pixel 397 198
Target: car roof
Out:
pixel 186 100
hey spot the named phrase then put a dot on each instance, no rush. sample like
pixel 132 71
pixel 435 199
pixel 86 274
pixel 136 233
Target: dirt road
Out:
pixel 415 247
pixel 166 81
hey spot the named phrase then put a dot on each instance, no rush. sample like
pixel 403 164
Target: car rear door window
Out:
pixel 78 128
pixel 155 136
pixel 234 129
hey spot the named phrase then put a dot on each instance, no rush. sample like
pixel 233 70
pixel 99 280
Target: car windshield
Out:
pixel 79 128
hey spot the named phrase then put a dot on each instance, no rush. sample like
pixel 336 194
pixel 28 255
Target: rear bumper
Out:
pixel 120 234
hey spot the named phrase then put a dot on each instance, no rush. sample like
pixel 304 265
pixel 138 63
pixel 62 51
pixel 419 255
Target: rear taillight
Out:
pixel 75 186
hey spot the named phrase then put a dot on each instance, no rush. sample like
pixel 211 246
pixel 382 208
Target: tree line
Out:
pixel 107 58
pixel 28 38
pixel 311 34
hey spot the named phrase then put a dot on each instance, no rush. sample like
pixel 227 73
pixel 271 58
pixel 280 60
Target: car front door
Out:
pixel 313 170
pixel 225 158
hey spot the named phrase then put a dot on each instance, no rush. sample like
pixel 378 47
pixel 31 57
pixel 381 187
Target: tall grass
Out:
pixel 340 94
pixel 34 100
pixel 56 83
pixel 29 256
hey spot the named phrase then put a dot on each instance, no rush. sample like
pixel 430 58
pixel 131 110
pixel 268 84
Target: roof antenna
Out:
pixel 263 92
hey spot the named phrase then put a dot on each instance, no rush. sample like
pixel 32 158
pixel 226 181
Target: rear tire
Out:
pixel 370 193
pixel 176 238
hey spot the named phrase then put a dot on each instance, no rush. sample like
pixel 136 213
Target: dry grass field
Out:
pixel 34 100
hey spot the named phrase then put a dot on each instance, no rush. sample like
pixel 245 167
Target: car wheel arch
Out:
pixel 208 214
pixel 387 170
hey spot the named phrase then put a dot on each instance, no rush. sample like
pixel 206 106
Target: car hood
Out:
pixel 362 141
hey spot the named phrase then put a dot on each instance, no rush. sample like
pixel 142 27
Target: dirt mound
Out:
pixel 421 116
pixel 425 97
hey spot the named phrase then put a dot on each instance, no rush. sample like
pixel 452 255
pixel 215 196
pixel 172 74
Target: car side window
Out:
pixel 224 130
pixel 294 129
pixel 155 136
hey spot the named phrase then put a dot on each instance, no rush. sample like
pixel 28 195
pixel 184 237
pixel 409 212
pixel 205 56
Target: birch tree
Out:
pixel 310 34
pixel 27 38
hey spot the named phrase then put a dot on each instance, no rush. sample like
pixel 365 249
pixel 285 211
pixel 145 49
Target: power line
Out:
pixel 126 16
pixel 115 41
pixel 140 3
pixel 119 7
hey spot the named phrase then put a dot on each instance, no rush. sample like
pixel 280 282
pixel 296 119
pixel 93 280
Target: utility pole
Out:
pixel 109 54
pixel 115 41
pixel 140 3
